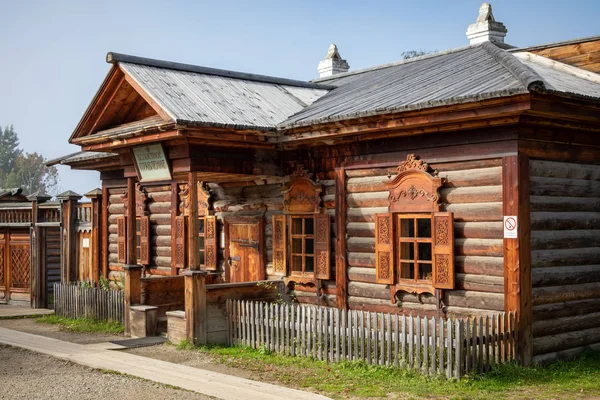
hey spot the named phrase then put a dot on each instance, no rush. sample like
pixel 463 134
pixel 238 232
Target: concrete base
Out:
pixel 176 327
pixel 142 321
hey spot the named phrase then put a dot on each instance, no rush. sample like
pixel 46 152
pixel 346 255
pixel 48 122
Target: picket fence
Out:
pixel 74 301
pixel 450 347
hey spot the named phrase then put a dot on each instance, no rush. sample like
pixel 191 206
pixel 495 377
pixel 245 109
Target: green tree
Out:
pixel 31 174
pixel 414 53
pixel 9 150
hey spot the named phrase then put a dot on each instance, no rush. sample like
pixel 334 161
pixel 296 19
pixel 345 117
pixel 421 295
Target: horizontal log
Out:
pixel 378 305
pixel 564 257
pixel 116 191
pixel 557 294
pixel 569 275
pixel 162 207
pixel 480 283
pixel 160 196
pixel 479 247
pixel 440 167
pixel 361 274
pixel 567 309
pixel 476 212
pixel 554 169
pixel 565 239
pixel 155 229
pixel 563 325
pixel 155 261
pixel 157 189
pixel 567 354
pixel 564 341
pixel 154 240
pixel 361 229
pixel 116 199
pixel 471 194
pixel 550 203
pixel 361 260
pixel 476 300
pixel 360 245
pixel 160 271
pixel 370 199
pixel 364 214
pixel 479 230
pixel 543 221
pixel 162 251
pixel 372 290
pixel 563 187
pixel 116 209
pixel 273 204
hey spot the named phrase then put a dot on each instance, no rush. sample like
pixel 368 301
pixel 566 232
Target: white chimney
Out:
pixel 333 63
pixel 486 29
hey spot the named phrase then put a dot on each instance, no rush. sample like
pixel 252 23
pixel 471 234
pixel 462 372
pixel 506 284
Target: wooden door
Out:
pixel 243 238
pixel 17 266
pixel 3 266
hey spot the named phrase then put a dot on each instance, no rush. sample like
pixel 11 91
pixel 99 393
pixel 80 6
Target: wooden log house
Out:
pixel 464 182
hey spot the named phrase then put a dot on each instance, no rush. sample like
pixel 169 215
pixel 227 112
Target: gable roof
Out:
pixel 462 75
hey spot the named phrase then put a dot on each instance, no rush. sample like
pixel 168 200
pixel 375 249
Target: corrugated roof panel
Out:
pixel 210 99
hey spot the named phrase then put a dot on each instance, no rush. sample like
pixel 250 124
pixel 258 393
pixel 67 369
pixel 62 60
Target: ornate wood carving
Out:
pixel 141 200
pixel 184 195
pixel 414 189
pixel 279 244
pixel 144 240
pixel 301 194
pixel 322 246
pixel 125 202
pixel 179 242
pixel 210 242
pixel 203 200
pixel 121 240
pixel 443 250
pixel 384 248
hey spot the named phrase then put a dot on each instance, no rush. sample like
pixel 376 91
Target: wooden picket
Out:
pixel 74 301
pixel 450 347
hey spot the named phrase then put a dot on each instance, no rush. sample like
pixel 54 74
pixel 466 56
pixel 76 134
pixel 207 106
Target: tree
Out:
pixel 414 53
pixel 9 150
pixel 31 174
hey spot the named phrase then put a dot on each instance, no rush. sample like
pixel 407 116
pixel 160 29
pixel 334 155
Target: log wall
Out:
pixel 565 257
pixel 52 254
pixel 116 209
pixel 473 192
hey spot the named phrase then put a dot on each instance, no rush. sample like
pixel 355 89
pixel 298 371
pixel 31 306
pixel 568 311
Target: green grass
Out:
pixel 565 380
pixel 85 325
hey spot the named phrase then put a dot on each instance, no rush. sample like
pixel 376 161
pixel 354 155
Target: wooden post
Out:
pixel 133 291
pixel 341 272
pixel 68 265
pixel 38 260
pixel 195 306
pixel 174 209
pixel 517 252
pixel 131 239
pixel 193 222
pixel 104 233
pixel 96 233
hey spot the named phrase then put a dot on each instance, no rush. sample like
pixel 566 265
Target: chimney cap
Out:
pixel 333 63
pixel 486 28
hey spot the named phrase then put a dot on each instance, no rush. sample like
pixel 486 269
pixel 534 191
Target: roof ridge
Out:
pixel 114 58
pixel 559 66
pixel 523 73
pixel 584 39
pixel 395 63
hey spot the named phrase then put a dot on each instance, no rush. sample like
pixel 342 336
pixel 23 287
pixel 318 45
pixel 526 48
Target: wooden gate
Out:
pixel 15 266
pixel 243 238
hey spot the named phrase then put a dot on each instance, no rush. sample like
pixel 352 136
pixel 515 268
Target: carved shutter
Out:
pixel 144 240
pixel 279 244
pixel 443 250
pixel 121 240
pixel 210 242
pixel 384 248
pixel 322 246
pixel 179 252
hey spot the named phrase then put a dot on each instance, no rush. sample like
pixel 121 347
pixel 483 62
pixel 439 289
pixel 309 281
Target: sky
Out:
pixel 53 52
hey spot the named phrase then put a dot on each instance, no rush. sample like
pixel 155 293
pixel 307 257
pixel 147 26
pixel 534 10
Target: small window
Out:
pixel 138 240
pixel 201 241
pixel 302 242
pixel 414 244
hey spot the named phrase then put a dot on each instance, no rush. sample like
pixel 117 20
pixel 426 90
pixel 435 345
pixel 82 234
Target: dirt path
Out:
pixel 28 375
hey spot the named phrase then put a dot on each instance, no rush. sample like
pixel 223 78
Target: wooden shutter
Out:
pixel 322 246
pixel 443 250
pixel 144 240
pixel 210 242
pixel 121 240
pixel 279 244
pixel 179 253
pixel 384 248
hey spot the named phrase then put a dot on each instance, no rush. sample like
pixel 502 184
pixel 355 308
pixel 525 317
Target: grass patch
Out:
pixel 84 325
pixel 573 379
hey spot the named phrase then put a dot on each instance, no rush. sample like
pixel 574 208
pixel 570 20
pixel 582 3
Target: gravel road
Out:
pixel 28 375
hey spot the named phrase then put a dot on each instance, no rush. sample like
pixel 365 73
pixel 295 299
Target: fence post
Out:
pixel 133 291
pixel 195 306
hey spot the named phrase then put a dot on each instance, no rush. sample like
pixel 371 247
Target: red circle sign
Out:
pixel 510 224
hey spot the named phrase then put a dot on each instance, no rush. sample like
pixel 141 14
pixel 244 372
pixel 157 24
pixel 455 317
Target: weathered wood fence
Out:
pixel 451 347
pixel 74 301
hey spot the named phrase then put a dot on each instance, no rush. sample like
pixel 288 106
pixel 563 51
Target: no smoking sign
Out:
pixel 510 226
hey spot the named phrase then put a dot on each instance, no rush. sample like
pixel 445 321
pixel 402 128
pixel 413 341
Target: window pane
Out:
pixel 309 226
pixel 139 240
pixel 407 271
pixel 201 226
pixel 407 227
pixel 201 257
pixel 297 263
pixel 310 246
pixel 424 228
pixel 407 251
pixel 296 226
pixel 425 271
pixel 297 245
pixel 138 253
pixel 137 225
pixel 310 264
pixel 425 251
pixel 201 243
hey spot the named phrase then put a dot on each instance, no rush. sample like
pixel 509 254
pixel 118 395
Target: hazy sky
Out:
pixel 53 51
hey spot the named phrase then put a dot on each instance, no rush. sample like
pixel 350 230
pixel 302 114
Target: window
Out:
pixel 302 229
pixel 201 241
pixel 138 240
pixel 414 242
pixel 142 240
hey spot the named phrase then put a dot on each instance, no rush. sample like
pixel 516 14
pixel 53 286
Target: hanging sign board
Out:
pixel 510 226
pixel 151 163
pixel 86 243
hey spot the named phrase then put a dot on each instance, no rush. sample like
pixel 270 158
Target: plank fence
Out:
pixel 450 347
pixel 74 301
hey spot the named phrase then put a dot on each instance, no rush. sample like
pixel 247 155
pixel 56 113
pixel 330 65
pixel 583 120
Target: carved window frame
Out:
pixel 414 194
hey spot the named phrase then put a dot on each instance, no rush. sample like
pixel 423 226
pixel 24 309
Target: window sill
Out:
pixel 415 287
pixel 302 280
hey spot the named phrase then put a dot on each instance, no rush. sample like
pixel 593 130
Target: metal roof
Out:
pixel 195 98
pixel 463 75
